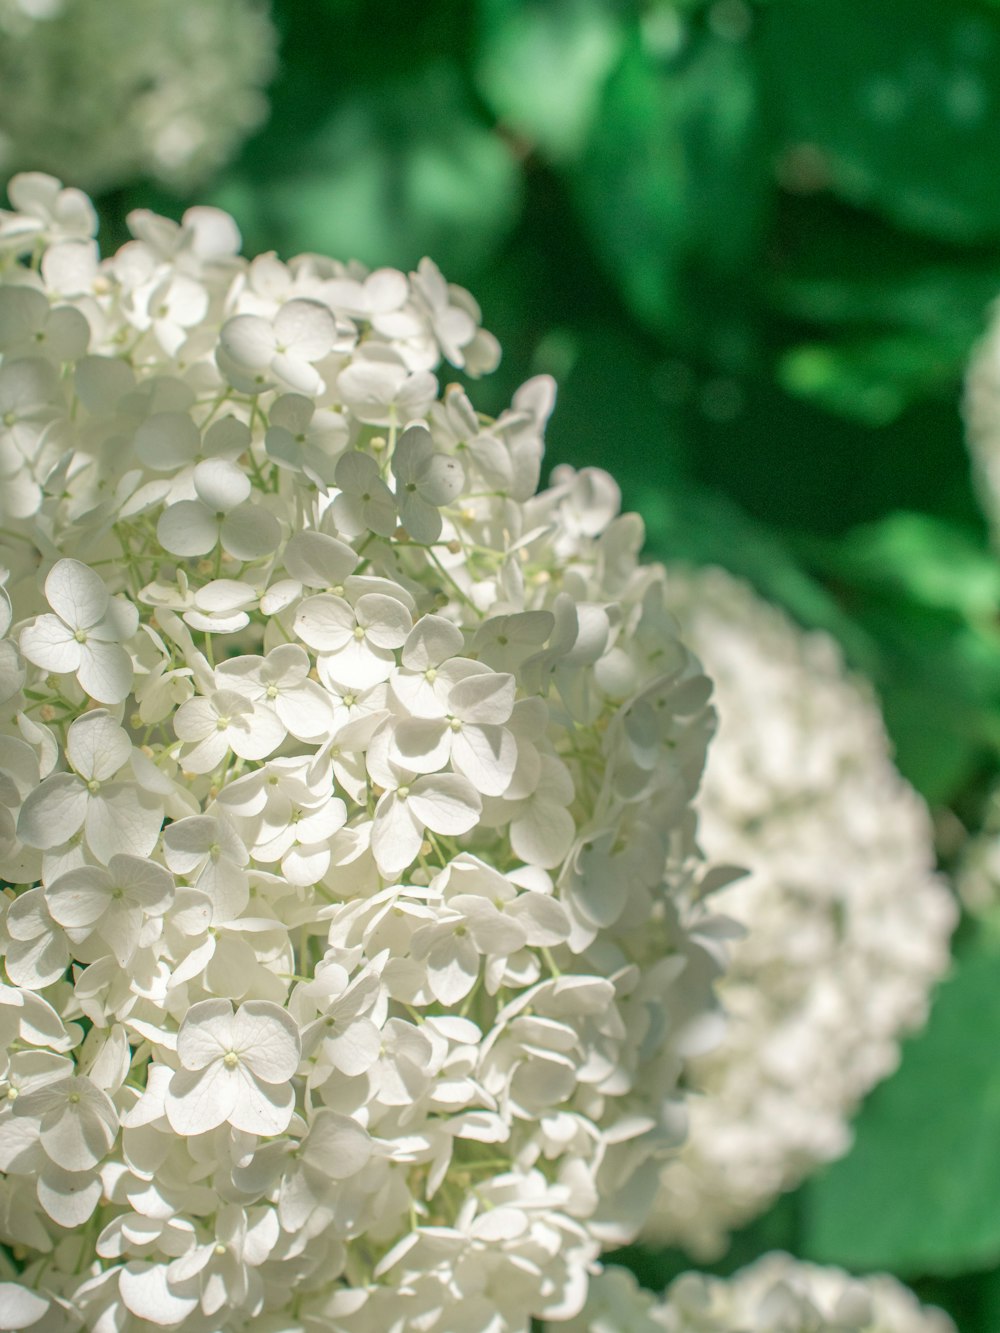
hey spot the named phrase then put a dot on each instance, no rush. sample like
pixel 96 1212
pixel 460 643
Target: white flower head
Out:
pixel 777 1294
pixel 167 91
pixel 346 792
pixel 847 926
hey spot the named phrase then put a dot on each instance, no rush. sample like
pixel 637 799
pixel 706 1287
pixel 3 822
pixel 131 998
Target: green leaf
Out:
pixel 596 424
pixel 541 65
pixel 895 106
pixel 397 171
pixel 927 560
pixel 687 523
pixel 918 1192
pixel 872 378
pixel 928 593
pixel 673 183
pixel 894 317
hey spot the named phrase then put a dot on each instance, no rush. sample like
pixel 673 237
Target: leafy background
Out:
pixel 755 241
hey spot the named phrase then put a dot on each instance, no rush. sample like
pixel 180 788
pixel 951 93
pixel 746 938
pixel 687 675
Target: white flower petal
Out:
pixel 358 664
pixel 82 1135
pixel 452 968
pixel 50 644
pixel 80 897
pixel 250 531
pixel 430 642
pixel 187 528
pixel 337 1145
pixel 76 593
pixel 421 520
pixel 20 1307
pixel 119 622
pixel 441 479
pixel 445 803
pixel 123 819
pixel 143 883
pixel 307 712
pixel 396 835
pixel 542 835
pixel 261 735
pixel 249 340
pixel 224 595
pixel 97 747
pixel 221 485
pixel 543 920
pixel 38 962
pixel 146 1293
pixel 421 745
pixel 69 1197
pixel 306 329
pixel 318 560
pixel 267 1039
pixel 294 372
pixel 205 1034
pixel 325 622
pixel 167 441
pixel 387 622
pixel 53 812
pixel 487 756
pixel 199 1100
pixel 485 698
pixel 262 1108
pixel 105 671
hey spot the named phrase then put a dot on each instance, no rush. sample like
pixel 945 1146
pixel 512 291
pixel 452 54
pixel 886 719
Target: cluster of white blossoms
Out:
pixel 777 1294
pixel 103 91
pixel 355 937
pixel 982 418
pixel 848 927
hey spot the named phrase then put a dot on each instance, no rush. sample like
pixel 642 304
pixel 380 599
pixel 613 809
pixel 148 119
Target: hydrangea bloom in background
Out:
pixel 775 1293
pixel 848 927
pixel 356 938
pixel 103 91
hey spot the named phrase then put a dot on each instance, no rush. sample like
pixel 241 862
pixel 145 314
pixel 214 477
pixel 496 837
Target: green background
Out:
pixel 755 241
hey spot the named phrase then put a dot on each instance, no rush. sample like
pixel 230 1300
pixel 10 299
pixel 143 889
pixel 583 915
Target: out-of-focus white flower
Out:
pixel 981 407
pixel 978 876
pixel 777 1294
pixel 100 93
pixel 356 944
pixel 847 926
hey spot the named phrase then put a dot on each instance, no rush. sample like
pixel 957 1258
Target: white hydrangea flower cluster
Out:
pixel 848 926
pixel 355 940
pixel 981 407
pixel 777 1294
pixel 103 91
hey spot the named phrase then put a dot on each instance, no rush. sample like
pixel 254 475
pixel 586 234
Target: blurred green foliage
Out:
pixel 755 240
pixel 918 1193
